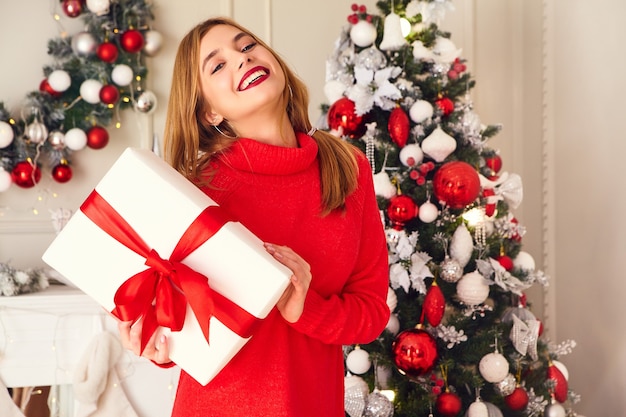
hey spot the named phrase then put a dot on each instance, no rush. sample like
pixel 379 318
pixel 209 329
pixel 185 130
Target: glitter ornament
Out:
pixel 5 180
pixel 83 43
pixel 6 134
pixel 438 145
pixel 506 386
pixel 25 174
pixel 493 367
pixel 75 139
pixel 450 270
pixel 371 58
pixel 398 126
pixel 517 400
pixel 363 33
pixel 107 52
pixel 90 91
pixel 456 184
pixel 428 213
pixel 378 405
pixel 355 395
pixel 59 80
pixel 358 361
pixel 341 115
pixel 472 289
pixel 448 404
pixel 414 352
pixel 411 155
pixel 421 111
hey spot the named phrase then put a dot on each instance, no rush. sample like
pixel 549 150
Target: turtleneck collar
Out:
pixel 260 158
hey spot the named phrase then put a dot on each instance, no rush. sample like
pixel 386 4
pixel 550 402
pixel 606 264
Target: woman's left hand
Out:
pixel 291 303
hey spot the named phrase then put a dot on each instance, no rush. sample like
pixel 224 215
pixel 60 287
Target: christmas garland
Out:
pixel 15 281
pixel 96 73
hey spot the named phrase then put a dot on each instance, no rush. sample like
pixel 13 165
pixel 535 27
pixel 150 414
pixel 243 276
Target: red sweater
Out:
pixel 297 370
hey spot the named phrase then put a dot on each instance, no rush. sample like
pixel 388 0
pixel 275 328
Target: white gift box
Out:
pixel 160 204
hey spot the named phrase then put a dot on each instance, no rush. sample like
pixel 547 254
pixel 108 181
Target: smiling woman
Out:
pixel 95 72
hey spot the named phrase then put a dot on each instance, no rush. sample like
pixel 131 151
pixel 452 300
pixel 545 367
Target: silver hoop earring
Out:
pixel 222 133
pixel 290 91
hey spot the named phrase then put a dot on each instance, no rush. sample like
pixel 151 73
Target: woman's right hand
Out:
pixel 157 348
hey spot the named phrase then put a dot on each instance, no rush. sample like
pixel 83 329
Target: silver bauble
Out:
pixel 371 58
pixel 506 386
pixel 56 139
pixel 36 132
pixel 554 410
pixel 451 270
pixel 83 43
pixel 146 102
pixel 153 42
pixel 378 405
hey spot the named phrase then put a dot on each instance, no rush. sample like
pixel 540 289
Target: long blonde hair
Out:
pixel 190 140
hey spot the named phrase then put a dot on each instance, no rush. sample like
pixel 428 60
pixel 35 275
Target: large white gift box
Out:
pixel 160 205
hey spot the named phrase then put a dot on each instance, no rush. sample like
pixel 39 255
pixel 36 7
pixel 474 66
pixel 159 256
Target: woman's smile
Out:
pixel 253 77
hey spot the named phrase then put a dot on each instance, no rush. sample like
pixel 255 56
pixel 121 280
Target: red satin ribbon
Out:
pixel 160 293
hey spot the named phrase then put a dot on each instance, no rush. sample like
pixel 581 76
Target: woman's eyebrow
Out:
pixel 215 51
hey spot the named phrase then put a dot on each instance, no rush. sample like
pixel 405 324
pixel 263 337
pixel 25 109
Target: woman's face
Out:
pixel 240 79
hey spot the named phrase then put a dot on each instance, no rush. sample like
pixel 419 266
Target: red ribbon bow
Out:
pixel 160 293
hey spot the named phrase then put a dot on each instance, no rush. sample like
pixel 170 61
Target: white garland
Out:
pixel 14 281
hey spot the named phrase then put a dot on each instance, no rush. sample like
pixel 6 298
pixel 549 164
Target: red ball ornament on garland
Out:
pixel 517 400
pixel 398 126
pixel 132 41
pixel 457 184
pixel 44 87
pixel 25 174
pixel 400 210
pixel 62 173
pixel 341 115
pixel 414 352
pixel 107 52
pixel 109 94
pixel 448 404
pixel 445 105
pixel 72 8
pixel 97 137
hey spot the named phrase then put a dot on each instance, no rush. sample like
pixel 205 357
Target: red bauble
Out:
pixel 517 400
pixel 506 262
pixel 398 126
pixel 44 87
pixel 494 163
pixel 341 115
pixel 107 52
pixel 72 8
pixel 445 105
pixel 109 94
pixel 132 41
pixel 457 184
pixel 414 352
pixel 401 209
pixel 434 305
pixel 25 174
pixel 62 172
pixel 560 383
pixel 97 137
pixel 448 404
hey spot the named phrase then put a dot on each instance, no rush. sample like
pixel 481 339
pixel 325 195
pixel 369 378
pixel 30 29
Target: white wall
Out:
pixel 550 70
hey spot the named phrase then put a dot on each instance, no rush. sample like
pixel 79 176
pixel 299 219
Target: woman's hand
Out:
pixel 157 349
pixel 291 303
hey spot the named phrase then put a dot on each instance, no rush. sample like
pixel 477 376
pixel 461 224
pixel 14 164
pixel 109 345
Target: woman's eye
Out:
pixel 248 47
pixel 217 68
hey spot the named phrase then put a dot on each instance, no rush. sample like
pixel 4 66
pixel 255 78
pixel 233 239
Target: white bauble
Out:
pixel 524 261
pixel 428 212
pixel 477 409
pixel 411 155
pixel 358 361
pixel 59 80
pixel 98 7
pixel 392 299
pixel 75 139
pixel 6 134
pixel 421 110
pixel 122 75
pixel 438 145
pixel 153 42
pixel 363 33
pixel 393 324
pixel 461 245
pixel 90 91
pixel 5 180
pixel 472 289
pixel 561 367
pixel 83 43
pixel 493 367
pixel 383 187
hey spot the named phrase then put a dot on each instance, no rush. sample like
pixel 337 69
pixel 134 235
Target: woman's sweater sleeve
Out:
pixel 359 313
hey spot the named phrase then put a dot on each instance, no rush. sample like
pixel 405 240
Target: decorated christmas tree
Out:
pixel 462 339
